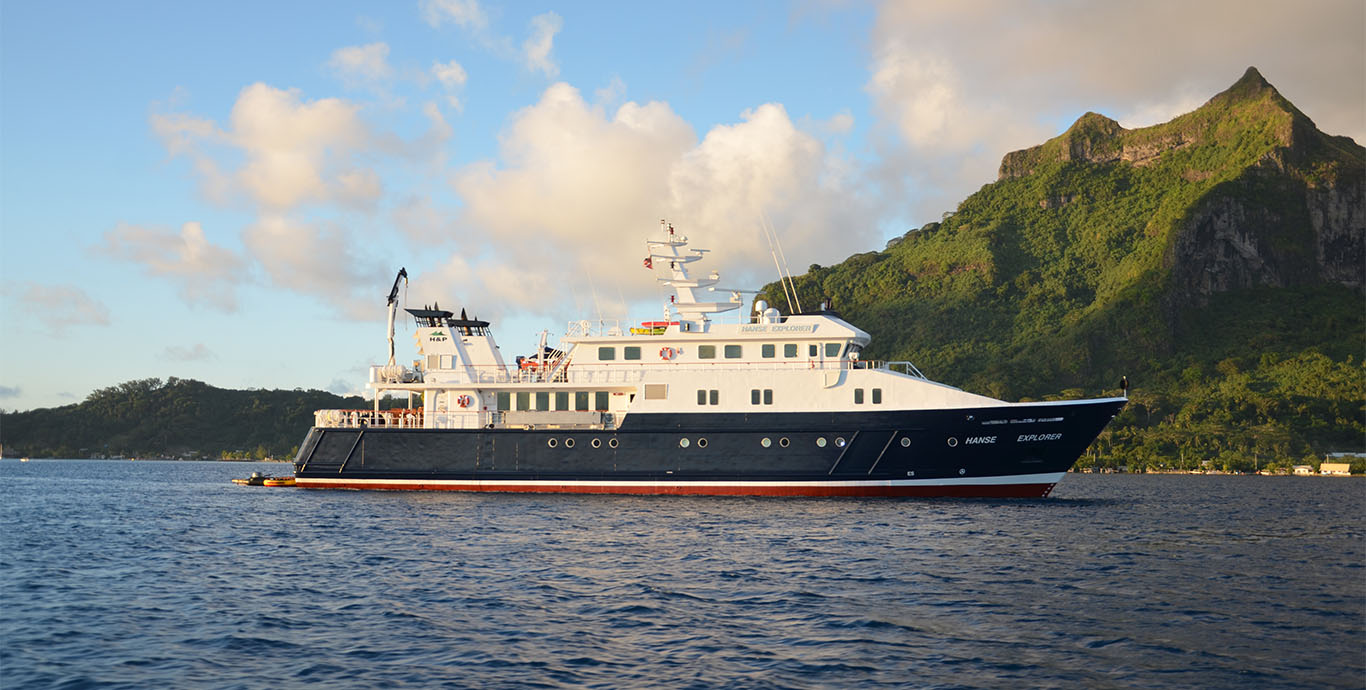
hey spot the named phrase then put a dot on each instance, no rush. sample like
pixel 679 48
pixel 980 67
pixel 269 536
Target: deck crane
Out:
pixel 393 309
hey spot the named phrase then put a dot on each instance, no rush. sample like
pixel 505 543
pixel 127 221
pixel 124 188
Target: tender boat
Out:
pixel 770 405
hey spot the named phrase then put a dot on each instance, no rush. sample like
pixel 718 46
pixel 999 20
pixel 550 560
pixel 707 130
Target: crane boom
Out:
pixel 393 308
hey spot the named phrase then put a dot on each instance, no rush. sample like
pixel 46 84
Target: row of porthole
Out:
pixel 569 443
pixel 702 442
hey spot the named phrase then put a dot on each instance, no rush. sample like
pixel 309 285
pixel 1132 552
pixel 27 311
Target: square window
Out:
pixel 656 391
pixel 706 352
pixel 701 397
pixel 630 352
pixel 523 401
pixel 832 349
pixel 858 396
pixel 768 396
pixel 768 351
pixel 877 396
pixel 607 354
pixel 715 397
pixel 581 400
pixel 504 401
pixel 790 350
pixel 561 400
pixel 600 398
pixel 543 400
pixel 754 397
pixel 732 352
pixel 813 350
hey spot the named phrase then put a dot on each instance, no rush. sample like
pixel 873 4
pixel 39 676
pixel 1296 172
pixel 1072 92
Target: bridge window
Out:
pixel 706 352
pixel 767 350
pixel 858 396
pixel 877 396
pixel 630 352
pixel 790 350
pixel 607 354
pixel 813 350
pixel 832 349
pixel 733 352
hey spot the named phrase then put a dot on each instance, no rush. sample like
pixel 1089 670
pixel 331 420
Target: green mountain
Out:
pixel 174 418
pixel 1218 260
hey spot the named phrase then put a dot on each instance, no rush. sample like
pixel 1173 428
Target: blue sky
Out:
pixel 224 192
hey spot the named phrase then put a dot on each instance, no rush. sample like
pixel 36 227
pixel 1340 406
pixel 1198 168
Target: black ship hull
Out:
pixel 1013 451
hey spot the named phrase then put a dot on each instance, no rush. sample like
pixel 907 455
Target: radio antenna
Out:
pixel 775 247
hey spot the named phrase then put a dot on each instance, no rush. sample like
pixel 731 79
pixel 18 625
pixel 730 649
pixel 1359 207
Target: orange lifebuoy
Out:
pixel 667 353
pixel 464 401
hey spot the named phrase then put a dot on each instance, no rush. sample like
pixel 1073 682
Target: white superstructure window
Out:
pixel 706 352
pixel 607 354
pixel 734 352
pixel 832 349
pixel 790 350
pixel 768 350
pixel 630 352
pixel 858 396
pixel 877 396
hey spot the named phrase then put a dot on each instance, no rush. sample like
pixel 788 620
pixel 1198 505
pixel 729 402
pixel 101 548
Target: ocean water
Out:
pixel 161 574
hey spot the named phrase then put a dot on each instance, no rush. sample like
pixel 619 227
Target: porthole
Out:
pixel 612 443
pixel 765 442
pixel 820 442
pixel 962 471
pixel 953 442
pixel 682 443
pixel 596 443
pixel 701 443
pixel 552 442
pixel 905 441
pixel 783 442
pixel 569 443
pixel 839 442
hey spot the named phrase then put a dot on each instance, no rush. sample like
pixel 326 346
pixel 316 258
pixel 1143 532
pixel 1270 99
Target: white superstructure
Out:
pixel 602 372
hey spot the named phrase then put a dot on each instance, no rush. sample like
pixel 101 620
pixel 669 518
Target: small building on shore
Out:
pixel 1304 470
pixel 1335 469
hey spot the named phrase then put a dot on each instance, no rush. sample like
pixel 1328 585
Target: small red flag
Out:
pixel 649 263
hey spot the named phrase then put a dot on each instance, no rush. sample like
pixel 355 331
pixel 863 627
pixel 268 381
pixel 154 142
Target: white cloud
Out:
pixel 536 49
pixel 578 190
pixel 180 353
pixel 287 151
pixel 206 273
pixel 361 64
pixel 452 77
pixel 463 13
pixel 58 308
pixel 315 257
pixel 10 391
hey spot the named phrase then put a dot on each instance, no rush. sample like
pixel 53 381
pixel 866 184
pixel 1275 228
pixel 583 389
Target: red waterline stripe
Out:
pixel 924 491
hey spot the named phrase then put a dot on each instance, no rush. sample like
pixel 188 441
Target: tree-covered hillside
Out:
pixel 1217 260
pixel 174 418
